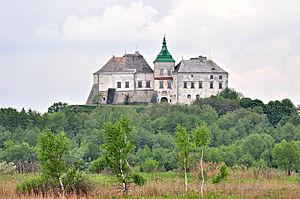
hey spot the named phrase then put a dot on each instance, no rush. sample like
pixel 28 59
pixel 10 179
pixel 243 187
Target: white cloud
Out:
pixel 118 23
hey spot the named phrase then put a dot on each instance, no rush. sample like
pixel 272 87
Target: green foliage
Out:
pixel 201 135
pixel 183 143
pixel 259 146
pixel 286 155
pixel 149 165
pixel 57 107
pixel 232 123
pixel 119 143
pixel 276 110
pixel 137 179
pixel 221 105
pixel 52 150
pixel 98 165
pixel 221 175
pixel 97 99
pixel 230 93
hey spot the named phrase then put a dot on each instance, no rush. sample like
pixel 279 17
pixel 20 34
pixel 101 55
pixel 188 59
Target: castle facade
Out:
pixel 130 80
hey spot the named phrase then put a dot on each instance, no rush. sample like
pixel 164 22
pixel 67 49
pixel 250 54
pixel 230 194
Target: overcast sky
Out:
pixel 49 49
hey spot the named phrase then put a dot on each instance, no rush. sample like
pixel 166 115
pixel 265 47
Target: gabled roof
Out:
pixel 128 63
pixel 164 55
pixel 198 65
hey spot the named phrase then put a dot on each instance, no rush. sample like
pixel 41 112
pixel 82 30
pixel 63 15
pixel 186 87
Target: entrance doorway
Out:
pixel 163 100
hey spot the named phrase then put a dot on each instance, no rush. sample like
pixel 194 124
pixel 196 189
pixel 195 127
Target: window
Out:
pixel 169 85
pixel 147 84
pixel 200 85
pixel 184 84
pixel 169 72
pixel 118 84
pixel 161 84
pixel 220 85
pixel 161 72
pixel 220 77
pixel 192 85
pixel 140 84
pixel 126 84
pixel 211 77
pixel 188 96
pixel 197 96
pixel 211 85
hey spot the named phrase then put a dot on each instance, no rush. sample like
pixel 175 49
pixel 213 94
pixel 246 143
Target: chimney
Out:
pixel 202 59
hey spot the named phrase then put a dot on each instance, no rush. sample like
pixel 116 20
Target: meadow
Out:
pixel 241 183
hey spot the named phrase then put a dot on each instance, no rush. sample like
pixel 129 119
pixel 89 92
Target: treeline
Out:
pixel 244 131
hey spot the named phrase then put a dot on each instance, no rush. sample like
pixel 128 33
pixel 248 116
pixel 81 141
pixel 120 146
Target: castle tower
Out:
pixel 164 80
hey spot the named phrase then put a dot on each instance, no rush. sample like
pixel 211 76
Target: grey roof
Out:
pixel 198 65
pixel 127 63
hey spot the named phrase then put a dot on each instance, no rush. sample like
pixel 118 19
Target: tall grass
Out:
pixel 242 183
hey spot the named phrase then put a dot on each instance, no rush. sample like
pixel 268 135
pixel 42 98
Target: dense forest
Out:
pixel 244 132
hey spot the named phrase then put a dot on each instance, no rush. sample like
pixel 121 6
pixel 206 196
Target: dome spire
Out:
pixel 164 55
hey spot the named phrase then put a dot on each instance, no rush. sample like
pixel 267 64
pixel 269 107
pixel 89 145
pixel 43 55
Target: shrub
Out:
pixel 98 165
pixel 74 182
pixel 222 174
pixel 149 165
pixel 7 168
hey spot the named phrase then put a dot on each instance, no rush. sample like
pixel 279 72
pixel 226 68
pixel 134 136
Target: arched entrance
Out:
pixel 164 99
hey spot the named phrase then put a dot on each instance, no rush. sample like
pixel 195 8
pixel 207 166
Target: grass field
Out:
pixel 240 184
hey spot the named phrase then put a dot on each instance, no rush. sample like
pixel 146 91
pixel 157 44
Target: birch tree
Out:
pixel 201 137
pixel 182 141
pixel 119 143
pixel 52 150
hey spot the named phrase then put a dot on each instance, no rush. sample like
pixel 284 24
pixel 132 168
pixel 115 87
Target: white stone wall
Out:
pixel 205 91
pixel 110 80
pixel 144 77
pixel 169 93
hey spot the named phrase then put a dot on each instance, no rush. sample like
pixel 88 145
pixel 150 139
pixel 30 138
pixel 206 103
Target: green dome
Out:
pixel 164 55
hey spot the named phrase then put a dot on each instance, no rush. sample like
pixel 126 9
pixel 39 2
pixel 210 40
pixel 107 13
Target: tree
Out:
pixel 57 107
pixel 230 93
pixel 286 155
pixel 182 141
pixel 201 137
pixel 119 143
pixel 52 150
pixel 259 146
pixel 97 99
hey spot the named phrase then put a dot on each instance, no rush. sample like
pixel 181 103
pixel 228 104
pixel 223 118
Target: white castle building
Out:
pixel 130 80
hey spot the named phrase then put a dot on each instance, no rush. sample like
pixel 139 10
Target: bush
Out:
pixel 149 165
pixel 7 168
pixel 137 179
pixel 74 182
pixel 36 185
pixel 222 174
pixel 98 165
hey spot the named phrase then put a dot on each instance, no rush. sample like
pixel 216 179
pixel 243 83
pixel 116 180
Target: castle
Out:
pixel 130 80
